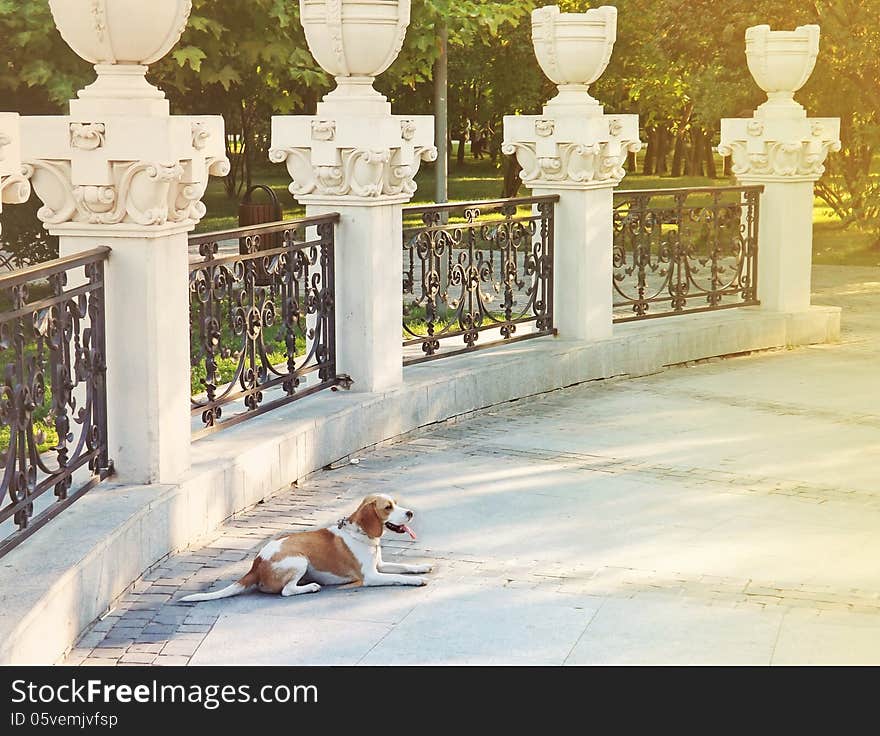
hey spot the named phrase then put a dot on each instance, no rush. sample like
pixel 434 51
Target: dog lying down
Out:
pixel 346 552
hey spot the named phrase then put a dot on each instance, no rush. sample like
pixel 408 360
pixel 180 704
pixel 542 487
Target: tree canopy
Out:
pixel 680 64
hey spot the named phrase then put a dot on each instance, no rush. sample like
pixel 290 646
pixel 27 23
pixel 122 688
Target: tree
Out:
pixel 680 64
pixel 39 73
pixel 246 60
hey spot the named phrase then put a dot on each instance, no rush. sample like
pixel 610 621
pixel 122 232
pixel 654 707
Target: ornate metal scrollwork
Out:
pixel 52 389
pixel 475 268
pixel 685 250
pixel 267 314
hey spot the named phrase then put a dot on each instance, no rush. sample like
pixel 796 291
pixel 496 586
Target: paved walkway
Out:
pixel 722 513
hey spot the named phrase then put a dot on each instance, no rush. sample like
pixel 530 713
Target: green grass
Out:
pixel 832 245
pixel 273 339
pixel 416 319
pixel 471 182
pixel 44 427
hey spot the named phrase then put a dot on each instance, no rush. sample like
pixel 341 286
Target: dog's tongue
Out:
pixel 409 531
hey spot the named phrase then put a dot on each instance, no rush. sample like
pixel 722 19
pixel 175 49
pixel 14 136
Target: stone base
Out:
pixel 68 574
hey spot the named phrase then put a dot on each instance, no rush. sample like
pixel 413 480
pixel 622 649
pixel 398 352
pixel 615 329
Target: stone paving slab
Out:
pixel 657 630
pixel 720 513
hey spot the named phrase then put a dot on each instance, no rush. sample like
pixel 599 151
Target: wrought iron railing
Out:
pixel 262 311
pixel 53 400
pixel 685 250
pixel 477 274
pixel 11 262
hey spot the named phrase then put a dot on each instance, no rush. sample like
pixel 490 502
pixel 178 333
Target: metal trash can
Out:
pixel 252 213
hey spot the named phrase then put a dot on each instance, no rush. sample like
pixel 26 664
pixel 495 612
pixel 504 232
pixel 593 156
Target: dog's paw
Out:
pixel 300 590
pixel 423 569
pixel 419 582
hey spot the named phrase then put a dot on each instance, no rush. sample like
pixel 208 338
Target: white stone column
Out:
pixel 576 151
pixel 355 158
pixel 14 188
pixel 785 151
pixel 120 171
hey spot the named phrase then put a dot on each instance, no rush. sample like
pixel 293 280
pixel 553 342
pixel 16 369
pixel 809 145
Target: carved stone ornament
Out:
pixel 781 62
pixel 573 163
pixel 323 130
pixel 201 134
pixel 545 128
pixel 14 187
pixel 353 148
pixel 779 143
pixel 355 40
pixel 142 193
pixel 573 145
pixel 361 172
pixel 407 129
pixel 87 136
pixel 573 50
pixel 121 38
pixel 782 159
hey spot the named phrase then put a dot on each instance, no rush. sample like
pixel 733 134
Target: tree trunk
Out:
pixel 648 166
pixel 678 157
pixel 695 157
pixel 711 168
pixel 247 152
pixel 441 115
pixel 631 162
pixel 512 182
pixel 661 163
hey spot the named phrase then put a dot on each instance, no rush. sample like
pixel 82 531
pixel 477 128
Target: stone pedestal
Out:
pixel 576 151
pixel 338 163
pixel 783 149
pixel 119 171
pixel 369 315
pixel 583 262
pixel 148 361
pixel 355 158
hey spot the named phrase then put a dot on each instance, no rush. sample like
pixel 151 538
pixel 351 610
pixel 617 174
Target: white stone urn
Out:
pixel 781 62
pixel 355 41
pixel 121 38
pixel 573 50
pixel 120 159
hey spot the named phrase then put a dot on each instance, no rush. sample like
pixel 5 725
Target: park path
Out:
pixel 725 512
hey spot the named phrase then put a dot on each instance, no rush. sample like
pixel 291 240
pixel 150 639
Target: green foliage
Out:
pixel 680 64
pixel 38 73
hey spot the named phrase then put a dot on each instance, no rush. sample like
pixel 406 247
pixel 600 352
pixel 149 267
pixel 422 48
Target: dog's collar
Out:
pixel 345 525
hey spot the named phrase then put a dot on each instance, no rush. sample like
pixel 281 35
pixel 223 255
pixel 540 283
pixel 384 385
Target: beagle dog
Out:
pixel 345 552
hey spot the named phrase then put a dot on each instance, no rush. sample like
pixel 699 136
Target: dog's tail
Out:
pixel 245 585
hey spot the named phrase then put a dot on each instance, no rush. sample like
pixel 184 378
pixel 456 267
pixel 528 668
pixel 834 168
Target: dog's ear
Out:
pixel 367 518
